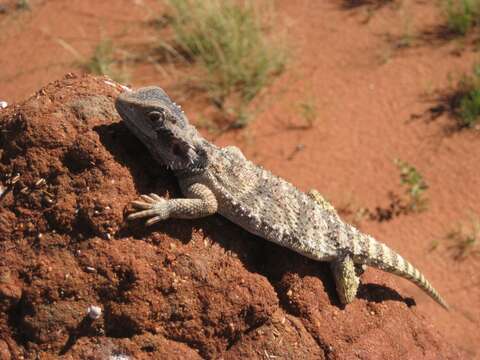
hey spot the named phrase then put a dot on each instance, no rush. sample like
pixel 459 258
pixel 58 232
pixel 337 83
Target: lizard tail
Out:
pixel 379 255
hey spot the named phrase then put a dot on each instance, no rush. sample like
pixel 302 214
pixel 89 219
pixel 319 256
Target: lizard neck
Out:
pixel 202 164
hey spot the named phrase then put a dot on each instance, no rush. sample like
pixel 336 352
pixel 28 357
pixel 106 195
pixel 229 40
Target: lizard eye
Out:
pixel 155 116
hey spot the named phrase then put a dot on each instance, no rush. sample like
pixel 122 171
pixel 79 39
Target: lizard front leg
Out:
pixel 199 202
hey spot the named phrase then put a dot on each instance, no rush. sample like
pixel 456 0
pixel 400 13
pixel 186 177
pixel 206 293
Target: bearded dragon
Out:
pixel 221 180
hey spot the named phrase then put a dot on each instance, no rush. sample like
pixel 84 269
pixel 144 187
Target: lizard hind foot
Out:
pixel 150 206
pixel 345 272
pixel 346 275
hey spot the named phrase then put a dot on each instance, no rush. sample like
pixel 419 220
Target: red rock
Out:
pixel 162 296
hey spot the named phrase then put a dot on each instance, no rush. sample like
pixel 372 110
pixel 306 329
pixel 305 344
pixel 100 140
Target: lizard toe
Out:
pixel 147 198
pixel 153 220
pixel 137 204
pixel 153 207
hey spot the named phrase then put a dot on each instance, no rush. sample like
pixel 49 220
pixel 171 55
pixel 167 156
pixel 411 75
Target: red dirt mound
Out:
pixel 182 289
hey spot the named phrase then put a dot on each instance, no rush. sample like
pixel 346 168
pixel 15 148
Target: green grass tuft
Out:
pixel 415 185
pixel 469 101
pixel 462 15
pixel 102 62
pixel 465 100
pixel 308 111
pixel 23 5
pixel 470 108
pixel 465 239
pixel 227 39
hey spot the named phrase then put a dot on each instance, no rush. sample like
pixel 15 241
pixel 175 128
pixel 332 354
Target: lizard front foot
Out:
pixel 151 206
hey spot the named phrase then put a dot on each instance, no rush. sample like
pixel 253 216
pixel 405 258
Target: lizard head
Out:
pixel 163 127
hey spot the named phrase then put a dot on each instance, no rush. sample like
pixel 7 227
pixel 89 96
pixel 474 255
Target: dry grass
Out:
pixel 228 39
pixel 102 62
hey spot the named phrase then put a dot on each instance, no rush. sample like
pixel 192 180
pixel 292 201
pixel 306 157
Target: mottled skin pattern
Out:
pixel 222 180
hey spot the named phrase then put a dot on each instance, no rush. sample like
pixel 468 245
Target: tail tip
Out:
pixel 444 304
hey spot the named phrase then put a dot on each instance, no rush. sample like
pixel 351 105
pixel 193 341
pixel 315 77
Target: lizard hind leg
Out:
pixel 346 275
pixel 345 272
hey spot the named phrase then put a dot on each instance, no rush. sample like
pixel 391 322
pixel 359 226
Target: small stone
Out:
pixel 94 312
pixel 119 357
pixel 40 182
pixel 110 83
pixel 3 104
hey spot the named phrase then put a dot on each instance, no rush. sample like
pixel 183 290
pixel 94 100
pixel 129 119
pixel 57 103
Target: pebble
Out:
pixel 119 357
pixel 90 269
pixel 3 104
pixel 94 312
pixel 113 84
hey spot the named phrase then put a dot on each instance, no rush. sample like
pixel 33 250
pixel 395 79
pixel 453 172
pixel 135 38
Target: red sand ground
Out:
pixel 366 90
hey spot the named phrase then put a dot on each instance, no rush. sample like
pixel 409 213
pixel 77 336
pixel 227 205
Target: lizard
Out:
pixel 221 180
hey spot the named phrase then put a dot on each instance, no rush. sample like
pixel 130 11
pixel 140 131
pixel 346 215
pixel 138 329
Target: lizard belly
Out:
pixel 308 242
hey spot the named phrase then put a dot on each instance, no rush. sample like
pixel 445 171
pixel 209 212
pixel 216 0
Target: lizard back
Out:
pixel 269 206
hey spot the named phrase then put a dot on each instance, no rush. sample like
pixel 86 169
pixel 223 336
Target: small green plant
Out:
pixel 308 112
pixel 434 244
pixel 466 101
pixel 102 62
pixel 227 39
pixel 407 38
pixel 23 5
pixel 415 186
pixel 462 15
pixel 102 59
pixel 470 108
pixel 465 238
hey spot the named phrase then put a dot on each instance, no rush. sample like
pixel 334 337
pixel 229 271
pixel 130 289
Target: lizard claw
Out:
pixel 151 206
